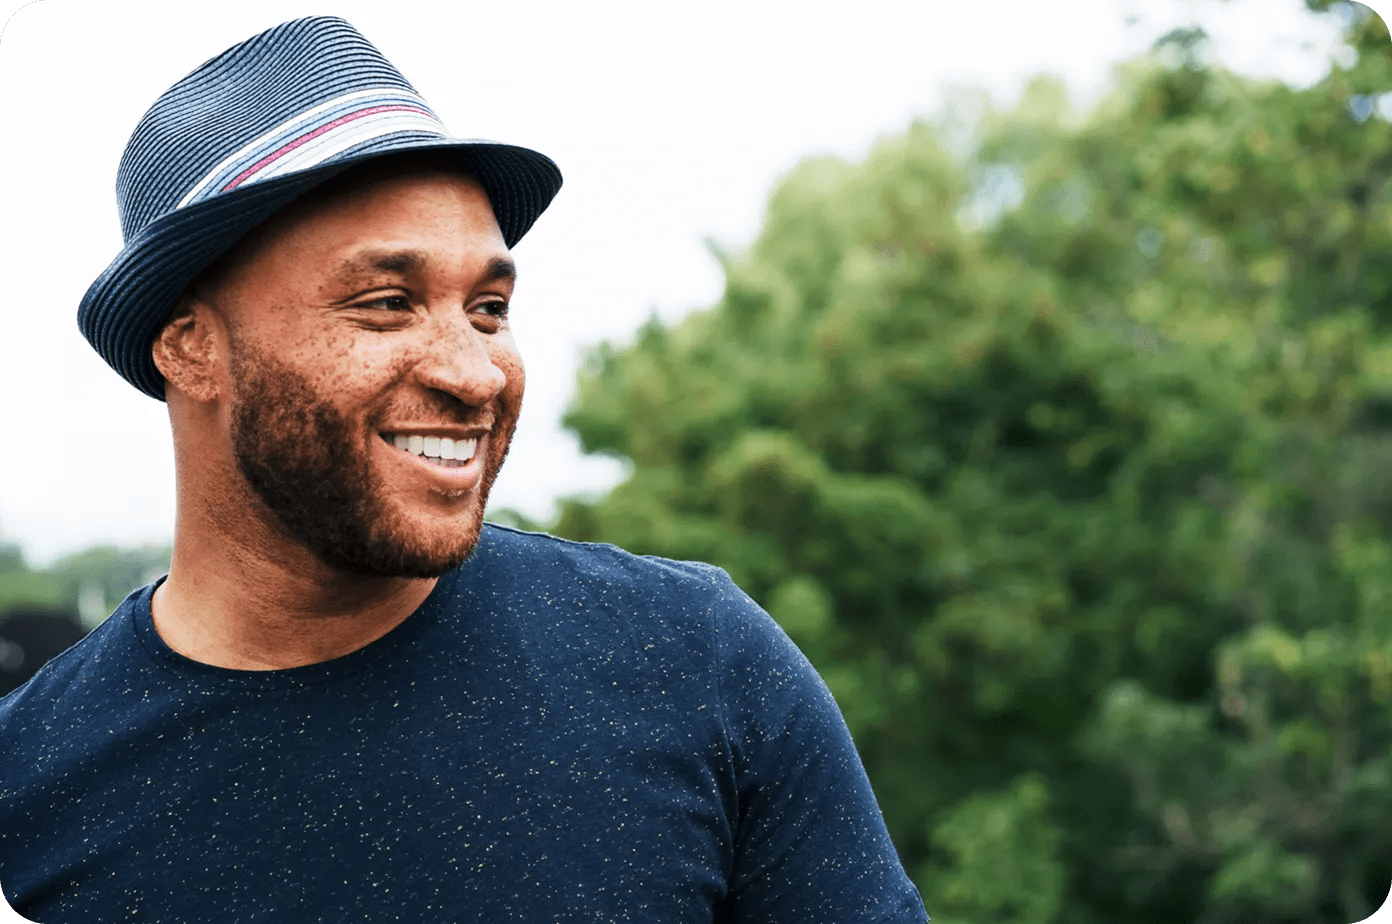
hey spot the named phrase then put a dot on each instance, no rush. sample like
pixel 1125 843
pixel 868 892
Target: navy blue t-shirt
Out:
pixel 561 732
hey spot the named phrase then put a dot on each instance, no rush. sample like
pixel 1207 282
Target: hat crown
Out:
pixel 234 99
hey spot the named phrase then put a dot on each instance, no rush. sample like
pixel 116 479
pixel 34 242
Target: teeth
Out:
pixel 437 447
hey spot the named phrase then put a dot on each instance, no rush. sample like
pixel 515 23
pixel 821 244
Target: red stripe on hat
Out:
pixel 310 136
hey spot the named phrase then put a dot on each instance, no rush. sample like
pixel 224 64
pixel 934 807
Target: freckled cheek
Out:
pixel 509 360
pixel 340 365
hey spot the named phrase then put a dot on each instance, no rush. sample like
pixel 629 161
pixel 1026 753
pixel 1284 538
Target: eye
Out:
pixel 388 303
pixel 494 309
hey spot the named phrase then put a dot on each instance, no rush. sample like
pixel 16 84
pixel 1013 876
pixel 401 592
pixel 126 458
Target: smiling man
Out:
pixel 344 385
pixel 350 699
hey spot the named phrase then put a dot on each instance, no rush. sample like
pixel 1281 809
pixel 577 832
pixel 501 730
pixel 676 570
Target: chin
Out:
pixel 425 552
pixel 398 543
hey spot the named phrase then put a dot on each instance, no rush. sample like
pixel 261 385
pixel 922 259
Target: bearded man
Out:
pixel 351 700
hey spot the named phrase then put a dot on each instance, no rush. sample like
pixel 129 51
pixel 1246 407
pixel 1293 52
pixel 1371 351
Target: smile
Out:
pixel 439 450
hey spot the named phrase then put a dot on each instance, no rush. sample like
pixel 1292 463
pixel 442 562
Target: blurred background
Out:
pixel 1031 363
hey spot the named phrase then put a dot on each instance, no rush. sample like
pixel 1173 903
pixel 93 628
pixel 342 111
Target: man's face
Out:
pixel 369 341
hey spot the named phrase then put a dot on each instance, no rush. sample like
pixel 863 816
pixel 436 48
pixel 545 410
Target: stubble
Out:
pixel 304 460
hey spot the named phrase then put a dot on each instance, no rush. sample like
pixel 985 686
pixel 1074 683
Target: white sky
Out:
pixel 672 120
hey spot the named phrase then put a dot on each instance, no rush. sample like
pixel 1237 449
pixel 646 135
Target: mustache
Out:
pixel 444 410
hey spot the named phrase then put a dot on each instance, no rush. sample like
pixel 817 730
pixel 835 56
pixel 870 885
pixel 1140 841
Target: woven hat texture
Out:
pixel 243 136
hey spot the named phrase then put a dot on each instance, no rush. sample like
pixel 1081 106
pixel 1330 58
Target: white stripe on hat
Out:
pixel 340 139
pixel 289 147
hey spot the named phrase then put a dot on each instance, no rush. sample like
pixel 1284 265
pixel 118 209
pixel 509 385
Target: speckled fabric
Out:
pixel 561 732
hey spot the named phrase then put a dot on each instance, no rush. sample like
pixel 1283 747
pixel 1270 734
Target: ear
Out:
pixel 185 352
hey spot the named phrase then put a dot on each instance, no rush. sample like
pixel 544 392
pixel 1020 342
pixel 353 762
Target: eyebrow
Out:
pixel 500 268
pixel 406 261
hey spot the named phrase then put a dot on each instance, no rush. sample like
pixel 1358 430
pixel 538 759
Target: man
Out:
pixel 350 700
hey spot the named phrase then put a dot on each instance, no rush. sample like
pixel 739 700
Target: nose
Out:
pixel 456 359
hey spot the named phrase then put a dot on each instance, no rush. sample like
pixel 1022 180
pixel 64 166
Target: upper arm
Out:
pixel 811 844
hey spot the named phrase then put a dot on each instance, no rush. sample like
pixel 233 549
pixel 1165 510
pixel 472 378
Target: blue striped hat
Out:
pixel 240 138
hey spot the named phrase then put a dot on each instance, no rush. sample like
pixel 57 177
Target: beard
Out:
pixel 303 459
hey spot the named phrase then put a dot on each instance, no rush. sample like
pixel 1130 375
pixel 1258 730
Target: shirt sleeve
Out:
pixel 811 844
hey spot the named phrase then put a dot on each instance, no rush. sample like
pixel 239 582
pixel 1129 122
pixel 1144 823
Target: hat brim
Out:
pixel 125 308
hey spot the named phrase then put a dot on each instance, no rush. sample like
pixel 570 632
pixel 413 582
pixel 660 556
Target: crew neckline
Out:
pixel 425 615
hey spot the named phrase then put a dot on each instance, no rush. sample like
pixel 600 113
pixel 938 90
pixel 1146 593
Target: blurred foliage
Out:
pixel 90 582
pixel 1068 461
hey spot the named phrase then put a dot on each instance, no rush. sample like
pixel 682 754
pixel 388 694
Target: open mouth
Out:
pixel 438 450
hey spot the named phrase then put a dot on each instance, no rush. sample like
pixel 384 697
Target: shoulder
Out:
pixel 82 675
pixel 655 601
pixel 686 617
pixel 594 560
pixel 68 667
pixel 538 564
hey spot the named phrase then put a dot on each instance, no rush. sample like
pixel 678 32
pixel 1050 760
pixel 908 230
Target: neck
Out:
pixel 273 608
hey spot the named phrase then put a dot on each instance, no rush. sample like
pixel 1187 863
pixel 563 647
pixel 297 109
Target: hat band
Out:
pixel 311 138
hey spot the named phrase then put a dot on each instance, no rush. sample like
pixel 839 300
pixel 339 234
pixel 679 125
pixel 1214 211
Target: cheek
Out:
pixel 348 360
pixel 335 372
pixel 505 356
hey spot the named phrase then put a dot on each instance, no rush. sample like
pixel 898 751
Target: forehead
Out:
pixel 392 166
pixel 387 192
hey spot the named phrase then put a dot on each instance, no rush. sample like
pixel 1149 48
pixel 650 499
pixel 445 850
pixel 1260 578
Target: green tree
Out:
pixel 90 582
pixel 21 585
pixel 98 578
pixel 1076 497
